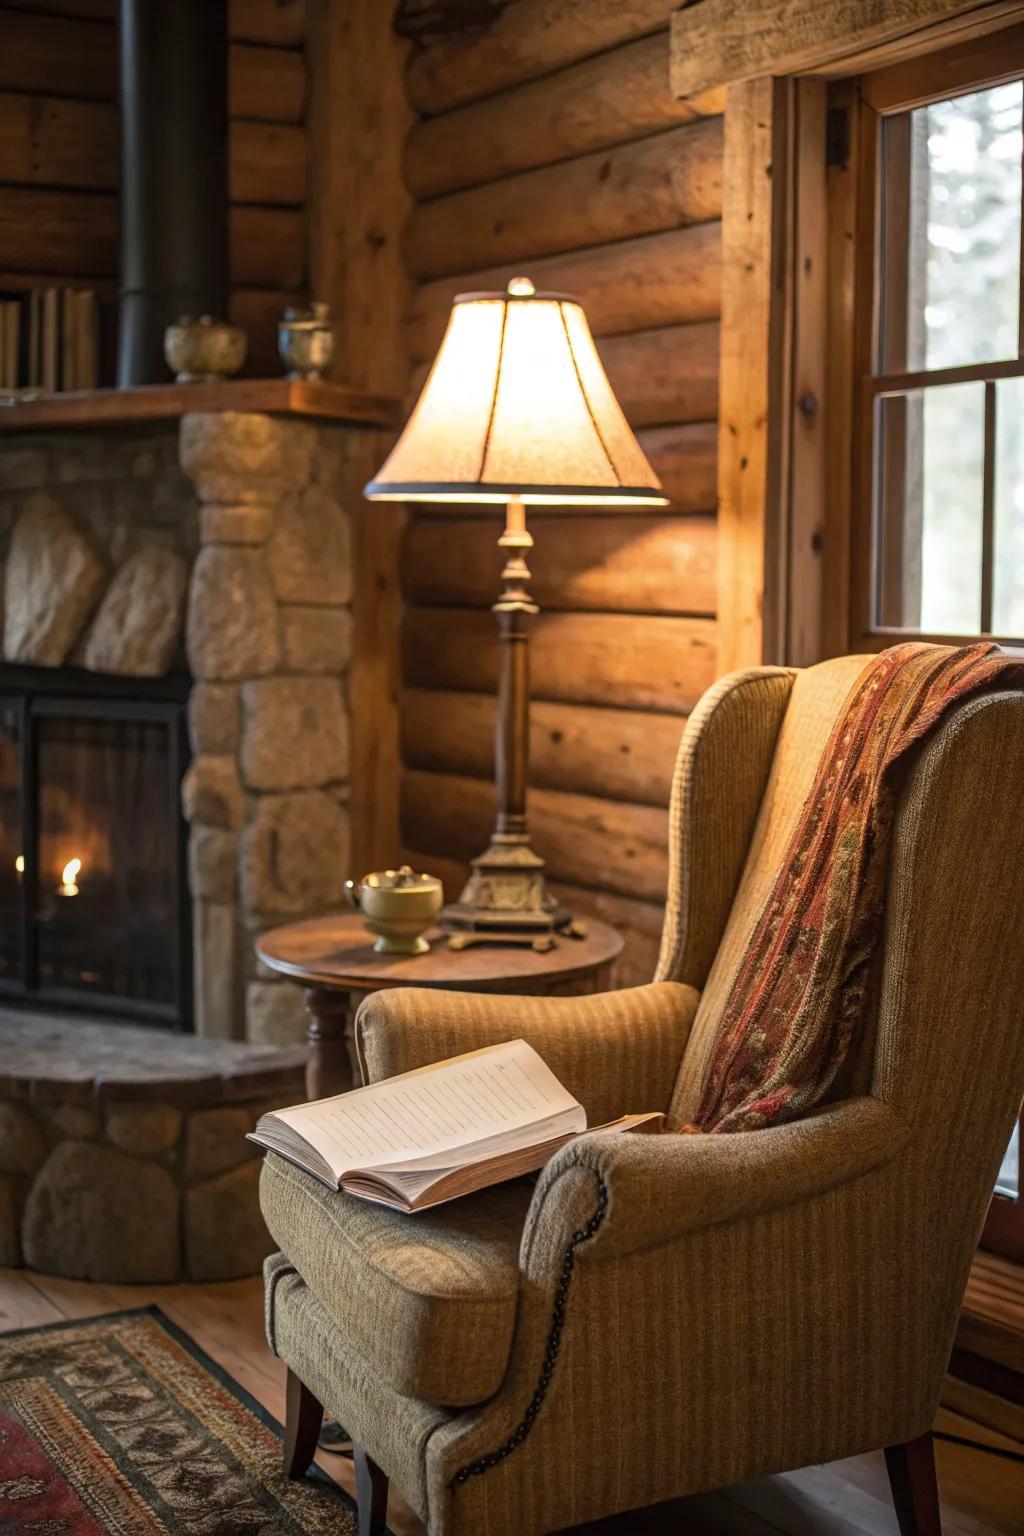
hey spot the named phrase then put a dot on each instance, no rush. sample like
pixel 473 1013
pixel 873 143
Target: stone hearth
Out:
pixel 122 1150
pixel 215 543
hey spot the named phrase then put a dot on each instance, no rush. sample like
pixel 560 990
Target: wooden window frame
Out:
pixel 853 327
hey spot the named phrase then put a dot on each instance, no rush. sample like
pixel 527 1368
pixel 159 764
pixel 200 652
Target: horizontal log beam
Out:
pixel 266 84
pixel 619 754
pixel 721 42
pixel 24 282
pixel 69 56
pixel 98 10
pixel 280 22
pixel 59 55
pixel 267 163
pixel 50 141
pixel 592 842
pixel 525 40
pixel 253 21
pixel 663 182
pixel 53 142
pixel 664 376
pixel 602 563
pixel 63 232
pixel 621 660
pixel 671 278
pixel 607 100
pixel 58 233
pixel 267 246
pixel 639 922
pixel 685 459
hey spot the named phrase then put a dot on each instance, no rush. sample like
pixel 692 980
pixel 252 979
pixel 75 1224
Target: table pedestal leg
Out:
pixel 329 1069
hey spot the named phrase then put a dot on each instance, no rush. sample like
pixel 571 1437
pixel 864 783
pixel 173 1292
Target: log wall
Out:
pixel 59 167
pixel 551 144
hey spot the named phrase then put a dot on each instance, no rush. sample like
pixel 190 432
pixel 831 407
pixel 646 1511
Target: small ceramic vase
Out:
pixel 305 341
pixel 399 906
pixel 204 350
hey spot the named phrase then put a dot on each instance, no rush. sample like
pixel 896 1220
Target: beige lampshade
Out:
pixel 517 405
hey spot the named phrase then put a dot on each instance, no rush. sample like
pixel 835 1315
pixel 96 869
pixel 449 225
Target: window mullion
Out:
pixel 988 511
pixel 961 373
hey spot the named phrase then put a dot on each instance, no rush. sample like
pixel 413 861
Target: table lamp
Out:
pixel 517 410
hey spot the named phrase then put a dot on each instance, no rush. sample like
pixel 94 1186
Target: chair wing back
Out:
pixel 719 781
pixel 949 1054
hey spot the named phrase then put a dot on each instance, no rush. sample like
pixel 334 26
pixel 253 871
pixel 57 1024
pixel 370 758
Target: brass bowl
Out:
pixel 201 351
pixel 397 905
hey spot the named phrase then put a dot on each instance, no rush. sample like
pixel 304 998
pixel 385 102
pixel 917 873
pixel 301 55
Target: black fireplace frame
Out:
pixel 42 693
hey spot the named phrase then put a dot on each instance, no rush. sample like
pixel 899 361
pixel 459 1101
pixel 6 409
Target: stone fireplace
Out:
pixel 190 566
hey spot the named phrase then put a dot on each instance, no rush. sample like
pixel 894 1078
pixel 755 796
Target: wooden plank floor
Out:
pixel 983 1495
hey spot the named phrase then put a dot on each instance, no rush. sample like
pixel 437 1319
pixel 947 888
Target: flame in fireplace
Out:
pixel 69 878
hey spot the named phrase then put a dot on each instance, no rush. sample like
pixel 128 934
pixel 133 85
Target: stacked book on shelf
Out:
pixel 49 341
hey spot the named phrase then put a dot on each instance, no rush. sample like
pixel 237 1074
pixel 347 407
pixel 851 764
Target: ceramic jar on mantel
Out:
pixel 305 341
pixel 200 351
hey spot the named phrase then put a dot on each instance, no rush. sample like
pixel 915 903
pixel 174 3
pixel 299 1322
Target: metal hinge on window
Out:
pixel 837 136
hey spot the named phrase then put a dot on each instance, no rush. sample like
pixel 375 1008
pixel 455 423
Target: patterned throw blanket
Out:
pixel 801 992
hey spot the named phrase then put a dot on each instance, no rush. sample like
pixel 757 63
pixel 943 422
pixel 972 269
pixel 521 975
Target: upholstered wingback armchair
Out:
pixel 661 1315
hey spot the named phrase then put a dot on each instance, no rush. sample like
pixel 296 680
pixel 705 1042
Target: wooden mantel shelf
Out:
pixel 165 402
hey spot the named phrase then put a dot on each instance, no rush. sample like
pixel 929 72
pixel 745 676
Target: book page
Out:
pixel 504 1089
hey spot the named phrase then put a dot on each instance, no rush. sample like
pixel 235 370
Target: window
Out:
pixel 932 330
pixel 938 509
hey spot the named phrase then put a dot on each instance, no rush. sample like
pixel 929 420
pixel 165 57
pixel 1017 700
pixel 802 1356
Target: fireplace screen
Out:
pixel 92 896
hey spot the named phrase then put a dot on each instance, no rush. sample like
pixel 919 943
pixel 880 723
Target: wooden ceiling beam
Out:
pixel 723 42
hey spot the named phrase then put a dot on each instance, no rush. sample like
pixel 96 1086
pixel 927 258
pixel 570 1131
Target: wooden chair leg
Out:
pixel 915 1491
pixel 371 1494
pixel 302 1419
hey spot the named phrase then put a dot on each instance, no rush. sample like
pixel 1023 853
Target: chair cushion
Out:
pixel 427 1300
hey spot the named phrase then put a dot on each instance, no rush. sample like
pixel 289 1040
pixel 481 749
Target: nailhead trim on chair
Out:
pixel 519 1434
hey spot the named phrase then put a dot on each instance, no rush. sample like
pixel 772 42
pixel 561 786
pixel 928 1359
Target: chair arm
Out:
pixel 616 1051
pixel 657 1188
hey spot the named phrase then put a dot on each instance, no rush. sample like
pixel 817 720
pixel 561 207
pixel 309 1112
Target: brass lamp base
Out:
pixel 507 896
pixel 506 893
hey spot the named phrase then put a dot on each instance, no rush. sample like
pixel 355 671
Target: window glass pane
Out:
pixel 1008 576
pixel 951 231
pixel 931 454
pixel 1008 1182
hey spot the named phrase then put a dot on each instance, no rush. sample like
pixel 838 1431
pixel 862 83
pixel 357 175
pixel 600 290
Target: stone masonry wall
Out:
pixel 97 534
pixel 269 636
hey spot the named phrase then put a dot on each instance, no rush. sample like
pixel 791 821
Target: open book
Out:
pixel 441 1131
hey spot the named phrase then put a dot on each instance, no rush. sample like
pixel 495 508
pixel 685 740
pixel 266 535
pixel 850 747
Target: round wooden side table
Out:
pixel 334 960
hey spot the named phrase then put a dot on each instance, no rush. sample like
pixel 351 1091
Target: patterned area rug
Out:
pixel 122 1426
